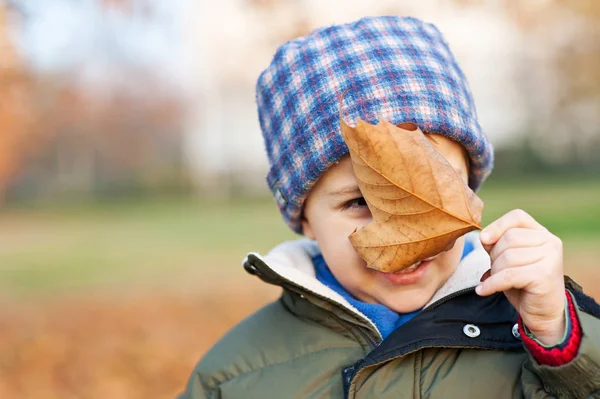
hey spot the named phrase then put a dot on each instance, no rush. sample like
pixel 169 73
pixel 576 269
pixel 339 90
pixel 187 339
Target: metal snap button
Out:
pixel 515 331
pixel 471 330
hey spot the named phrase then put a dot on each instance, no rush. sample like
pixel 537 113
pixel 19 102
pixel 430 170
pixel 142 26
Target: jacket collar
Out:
pixel 290 264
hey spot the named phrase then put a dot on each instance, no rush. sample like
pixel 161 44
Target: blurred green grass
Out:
pixel 57 249
pixel 568 208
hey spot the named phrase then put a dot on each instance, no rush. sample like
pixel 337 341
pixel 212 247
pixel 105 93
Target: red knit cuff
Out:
pixel 557 355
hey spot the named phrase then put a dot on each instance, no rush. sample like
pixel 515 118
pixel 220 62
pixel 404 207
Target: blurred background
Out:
pixel 132 167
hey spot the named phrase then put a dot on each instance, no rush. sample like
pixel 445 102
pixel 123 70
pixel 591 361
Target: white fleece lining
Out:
pixel 468 272
pixel 292 260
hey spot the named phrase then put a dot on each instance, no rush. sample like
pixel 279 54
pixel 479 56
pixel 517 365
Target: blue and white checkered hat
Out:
pixel 396 67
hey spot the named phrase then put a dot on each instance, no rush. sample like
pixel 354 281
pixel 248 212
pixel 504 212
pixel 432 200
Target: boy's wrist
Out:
pixel 565 349
pixel 554 332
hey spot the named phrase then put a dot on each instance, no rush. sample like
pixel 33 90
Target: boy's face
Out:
pixel 335 208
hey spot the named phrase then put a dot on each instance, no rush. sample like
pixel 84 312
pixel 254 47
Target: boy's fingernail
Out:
pixel 484 236
pixel 478 289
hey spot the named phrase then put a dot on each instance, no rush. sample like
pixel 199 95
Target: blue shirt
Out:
pixel 385 319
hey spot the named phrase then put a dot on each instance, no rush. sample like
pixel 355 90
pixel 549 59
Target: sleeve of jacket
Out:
pixel 579 378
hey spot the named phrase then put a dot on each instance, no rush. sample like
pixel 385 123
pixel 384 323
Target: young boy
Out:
pixel 491 317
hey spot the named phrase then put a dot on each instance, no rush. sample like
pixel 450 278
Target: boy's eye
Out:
pixel 356 203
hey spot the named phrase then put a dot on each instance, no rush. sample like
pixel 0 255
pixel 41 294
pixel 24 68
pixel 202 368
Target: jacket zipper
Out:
pixel 351 372
pixel 448 298
pixel 373 339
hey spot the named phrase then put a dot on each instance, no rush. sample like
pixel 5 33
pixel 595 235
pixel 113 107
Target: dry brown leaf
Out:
pixel 419 203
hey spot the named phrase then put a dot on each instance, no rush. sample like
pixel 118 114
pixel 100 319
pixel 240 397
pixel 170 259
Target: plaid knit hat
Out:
pixel 395 67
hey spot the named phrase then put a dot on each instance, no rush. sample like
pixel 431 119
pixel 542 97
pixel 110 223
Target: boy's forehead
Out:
pixel 339 179
pixel 341 191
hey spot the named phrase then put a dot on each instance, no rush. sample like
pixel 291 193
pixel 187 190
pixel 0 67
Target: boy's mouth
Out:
pixel 410 275
pixel 410 268
pixel 415 266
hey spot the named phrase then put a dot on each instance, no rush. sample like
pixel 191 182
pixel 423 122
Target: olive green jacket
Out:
pixel 312 343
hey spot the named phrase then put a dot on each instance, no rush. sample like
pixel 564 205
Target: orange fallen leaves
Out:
pixel 129 347
pixel 142 345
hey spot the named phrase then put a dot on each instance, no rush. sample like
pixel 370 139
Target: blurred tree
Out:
pixel 61 136
pixel 121 143
pixel 16 117
pixel 562 78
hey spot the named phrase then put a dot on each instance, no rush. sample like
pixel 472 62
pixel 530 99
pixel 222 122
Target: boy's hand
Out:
pixel 527 265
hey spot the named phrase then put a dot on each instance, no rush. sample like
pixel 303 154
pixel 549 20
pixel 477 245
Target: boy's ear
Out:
pixel 306 229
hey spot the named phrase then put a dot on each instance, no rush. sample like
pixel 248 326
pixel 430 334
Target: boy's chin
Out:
pixel 407 302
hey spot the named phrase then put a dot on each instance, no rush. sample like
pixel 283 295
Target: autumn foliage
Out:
pixel 117 346
pixel 15 113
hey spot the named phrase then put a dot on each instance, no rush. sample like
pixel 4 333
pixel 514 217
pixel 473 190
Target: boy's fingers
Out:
pixel 518 237
pixel 517 257
pixel 515 218
pixel 509 278
pixel 488 247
